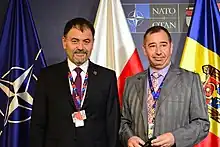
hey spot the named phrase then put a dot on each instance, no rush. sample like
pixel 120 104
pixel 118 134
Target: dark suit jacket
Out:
pixel 51 123
pixel 180 109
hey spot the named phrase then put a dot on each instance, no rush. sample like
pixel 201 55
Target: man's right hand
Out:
pixel 135 141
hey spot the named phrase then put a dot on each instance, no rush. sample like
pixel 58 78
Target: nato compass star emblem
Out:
pixel 135 18
pixel 17 94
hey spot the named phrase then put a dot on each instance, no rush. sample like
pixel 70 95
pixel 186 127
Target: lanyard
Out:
pixel 154 93
pixel 78 99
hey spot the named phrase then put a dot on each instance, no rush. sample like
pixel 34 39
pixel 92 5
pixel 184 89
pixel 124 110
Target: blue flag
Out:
pixel 21 59
pixel 201 54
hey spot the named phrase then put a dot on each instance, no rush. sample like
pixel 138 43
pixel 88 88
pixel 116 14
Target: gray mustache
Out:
pixel 80 51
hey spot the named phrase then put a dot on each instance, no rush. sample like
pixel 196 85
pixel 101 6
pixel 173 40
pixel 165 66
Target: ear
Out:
pixel 144 50
pixel 171 47
pixel 64 42
pixel 93 43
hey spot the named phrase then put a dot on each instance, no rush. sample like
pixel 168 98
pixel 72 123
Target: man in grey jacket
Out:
pixel 164 103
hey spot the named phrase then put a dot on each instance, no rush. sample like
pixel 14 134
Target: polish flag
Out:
pixel 114 47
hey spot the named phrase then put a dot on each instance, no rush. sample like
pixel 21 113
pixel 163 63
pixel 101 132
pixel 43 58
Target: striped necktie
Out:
pixel 78 80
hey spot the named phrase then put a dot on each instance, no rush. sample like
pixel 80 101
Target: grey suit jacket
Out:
pixel 180 109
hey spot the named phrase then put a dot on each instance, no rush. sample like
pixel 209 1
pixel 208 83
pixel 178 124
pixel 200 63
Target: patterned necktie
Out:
pixel 78 80
pixel 150 102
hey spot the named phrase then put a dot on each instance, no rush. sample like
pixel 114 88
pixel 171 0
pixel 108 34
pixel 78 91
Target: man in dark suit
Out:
pixel 164 103
pixel 76 101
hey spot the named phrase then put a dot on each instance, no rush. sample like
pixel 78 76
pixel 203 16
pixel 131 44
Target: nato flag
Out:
pixel 21 59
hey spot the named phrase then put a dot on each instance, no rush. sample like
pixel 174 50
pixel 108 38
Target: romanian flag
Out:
pixel 201 54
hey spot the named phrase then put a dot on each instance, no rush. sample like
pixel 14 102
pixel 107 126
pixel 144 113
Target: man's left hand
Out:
pixel 164 140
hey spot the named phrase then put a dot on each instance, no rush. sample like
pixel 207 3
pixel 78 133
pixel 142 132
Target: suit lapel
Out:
pixel 65 83
pixel 170 82
pixel 141 87
pixel 92 76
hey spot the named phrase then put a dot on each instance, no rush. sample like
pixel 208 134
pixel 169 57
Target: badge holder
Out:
pixel 78 118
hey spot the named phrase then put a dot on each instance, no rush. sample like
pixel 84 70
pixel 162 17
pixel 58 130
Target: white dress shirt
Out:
pixel 84 68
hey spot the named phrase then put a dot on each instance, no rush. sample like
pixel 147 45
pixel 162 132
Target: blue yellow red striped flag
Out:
pixel 201 54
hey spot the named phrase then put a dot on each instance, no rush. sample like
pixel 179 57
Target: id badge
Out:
pixel 150 130
pixel 79 123
pixel 78 118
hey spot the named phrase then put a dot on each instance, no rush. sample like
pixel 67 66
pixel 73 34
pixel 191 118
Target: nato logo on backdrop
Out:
pixel 171 16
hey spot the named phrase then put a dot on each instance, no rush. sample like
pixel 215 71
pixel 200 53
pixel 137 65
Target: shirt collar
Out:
pixel 163 71
pixel 84 66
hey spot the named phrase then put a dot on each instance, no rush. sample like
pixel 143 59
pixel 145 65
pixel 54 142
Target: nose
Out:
pixel 158 50
pixel 80 45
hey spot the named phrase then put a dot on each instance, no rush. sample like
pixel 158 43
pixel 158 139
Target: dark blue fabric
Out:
pixel 21 59
pixel 205 25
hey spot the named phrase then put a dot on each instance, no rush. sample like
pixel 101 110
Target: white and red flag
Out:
pixel 114 47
